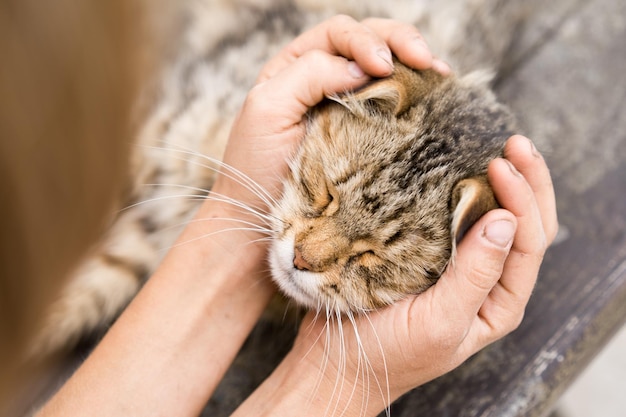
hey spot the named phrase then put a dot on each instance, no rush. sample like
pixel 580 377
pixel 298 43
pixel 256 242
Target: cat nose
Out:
pixel 299 262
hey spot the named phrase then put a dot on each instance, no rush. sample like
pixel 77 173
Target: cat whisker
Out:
pixel 322 369
pixel 286 309
pixel 225 169
pixel 335 322
pixel 210 196
pixel 204 236
pixel 327 351
pixel 161 198
pixel 253 210
pixel 363 365
pixel 387 394
pixel 253 227
pixel 187 187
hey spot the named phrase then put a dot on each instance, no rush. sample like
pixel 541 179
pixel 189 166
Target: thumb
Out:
pixel 477 265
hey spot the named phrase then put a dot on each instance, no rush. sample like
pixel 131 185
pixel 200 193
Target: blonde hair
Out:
pixel 67 81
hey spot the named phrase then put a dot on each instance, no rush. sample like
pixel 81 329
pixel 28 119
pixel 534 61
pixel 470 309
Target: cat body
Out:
pixel 386 180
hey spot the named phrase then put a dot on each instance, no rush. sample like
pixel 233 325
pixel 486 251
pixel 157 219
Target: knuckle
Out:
pixel 552 232
pixel 341 20
pixel 314 56
pixel 375 21
pixel 407 31
pixel 316 62
pixel 538 251
pixel 255 97
pixel 516 321
pixel 485 274
pixel 508 324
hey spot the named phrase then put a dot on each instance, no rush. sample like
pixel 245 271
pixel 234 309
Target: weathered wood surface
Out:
pixel 566 80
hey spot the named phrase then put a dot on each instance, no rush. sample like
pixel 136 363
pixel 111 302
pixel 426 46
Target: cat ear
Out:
pixel 394 94
pixel 386 95
pixel 471 198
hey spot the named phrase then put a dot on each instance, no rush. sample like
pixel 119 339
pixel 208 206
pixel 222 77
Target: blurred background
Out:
pixel 601 388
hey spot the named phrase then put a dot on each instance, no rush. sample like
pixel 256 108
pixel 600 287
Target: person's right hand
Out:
pixel 362 364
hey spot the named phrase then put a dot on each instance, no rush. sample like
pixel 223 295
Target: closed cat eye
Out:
pixel 326 203
pixel 361 256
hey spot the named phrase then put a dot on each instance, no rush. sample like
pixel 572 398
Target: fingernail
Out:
pixel 500 233
pixel 385 55
pixel 354 70
pixel 422 45
pixel 441 67
pixel 512 168
pixel 533 148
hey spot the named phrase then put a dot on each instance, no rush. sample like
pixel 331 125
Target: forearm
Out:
pixel 167 352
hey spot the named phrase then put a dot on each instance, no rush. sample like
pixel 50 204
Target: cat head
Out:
pixel 386 181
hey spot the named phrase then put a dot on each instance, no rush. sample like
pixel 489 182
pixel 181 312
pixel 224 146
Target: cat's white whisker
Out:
pixel 386 395
pixel 360 368
pixel 267 239
pixel 225 169
pixel 362 365
pixel 239 179
pixel 206 235
pixel 187 187
pixel 259 227
pixel 329 338
pixel 253 226
pixel 208 196
pixel 164 197
pixel 256 211
pixel 322 369
pixel 341 364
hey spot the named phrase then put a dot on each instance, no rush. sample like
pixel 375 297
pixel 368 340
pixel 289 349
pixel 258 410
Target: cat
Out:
pixel 414 193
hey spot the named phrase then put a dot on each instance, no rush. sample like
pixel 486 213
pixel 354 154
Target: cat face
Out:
pixel 368 210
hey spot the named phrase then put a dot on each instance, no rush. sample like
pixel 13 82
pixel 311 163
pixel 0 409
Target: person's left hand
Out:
pixel 338 55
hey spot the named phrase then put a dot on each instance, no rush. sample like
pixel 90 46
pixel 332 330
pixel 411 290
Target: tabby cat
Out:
pixel 386 182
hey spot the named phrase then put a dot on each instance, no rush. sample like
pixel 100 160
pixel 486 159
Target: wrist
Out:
pixel 313 380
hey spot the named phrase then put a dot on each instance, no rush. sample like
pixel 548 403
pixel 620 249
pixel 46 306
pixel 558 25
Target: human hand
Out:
pixel 363 363
pixel 338 55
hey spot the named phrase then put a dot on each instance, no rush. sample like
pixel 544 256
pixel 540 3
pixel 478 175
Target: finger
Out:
pixel 477 266
pixel 340 35
pixel 285 98
pixel 405 41
pixel 408 44
pixel 441 67
pixel 515 194
pixel 523 154
pixel 503 309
